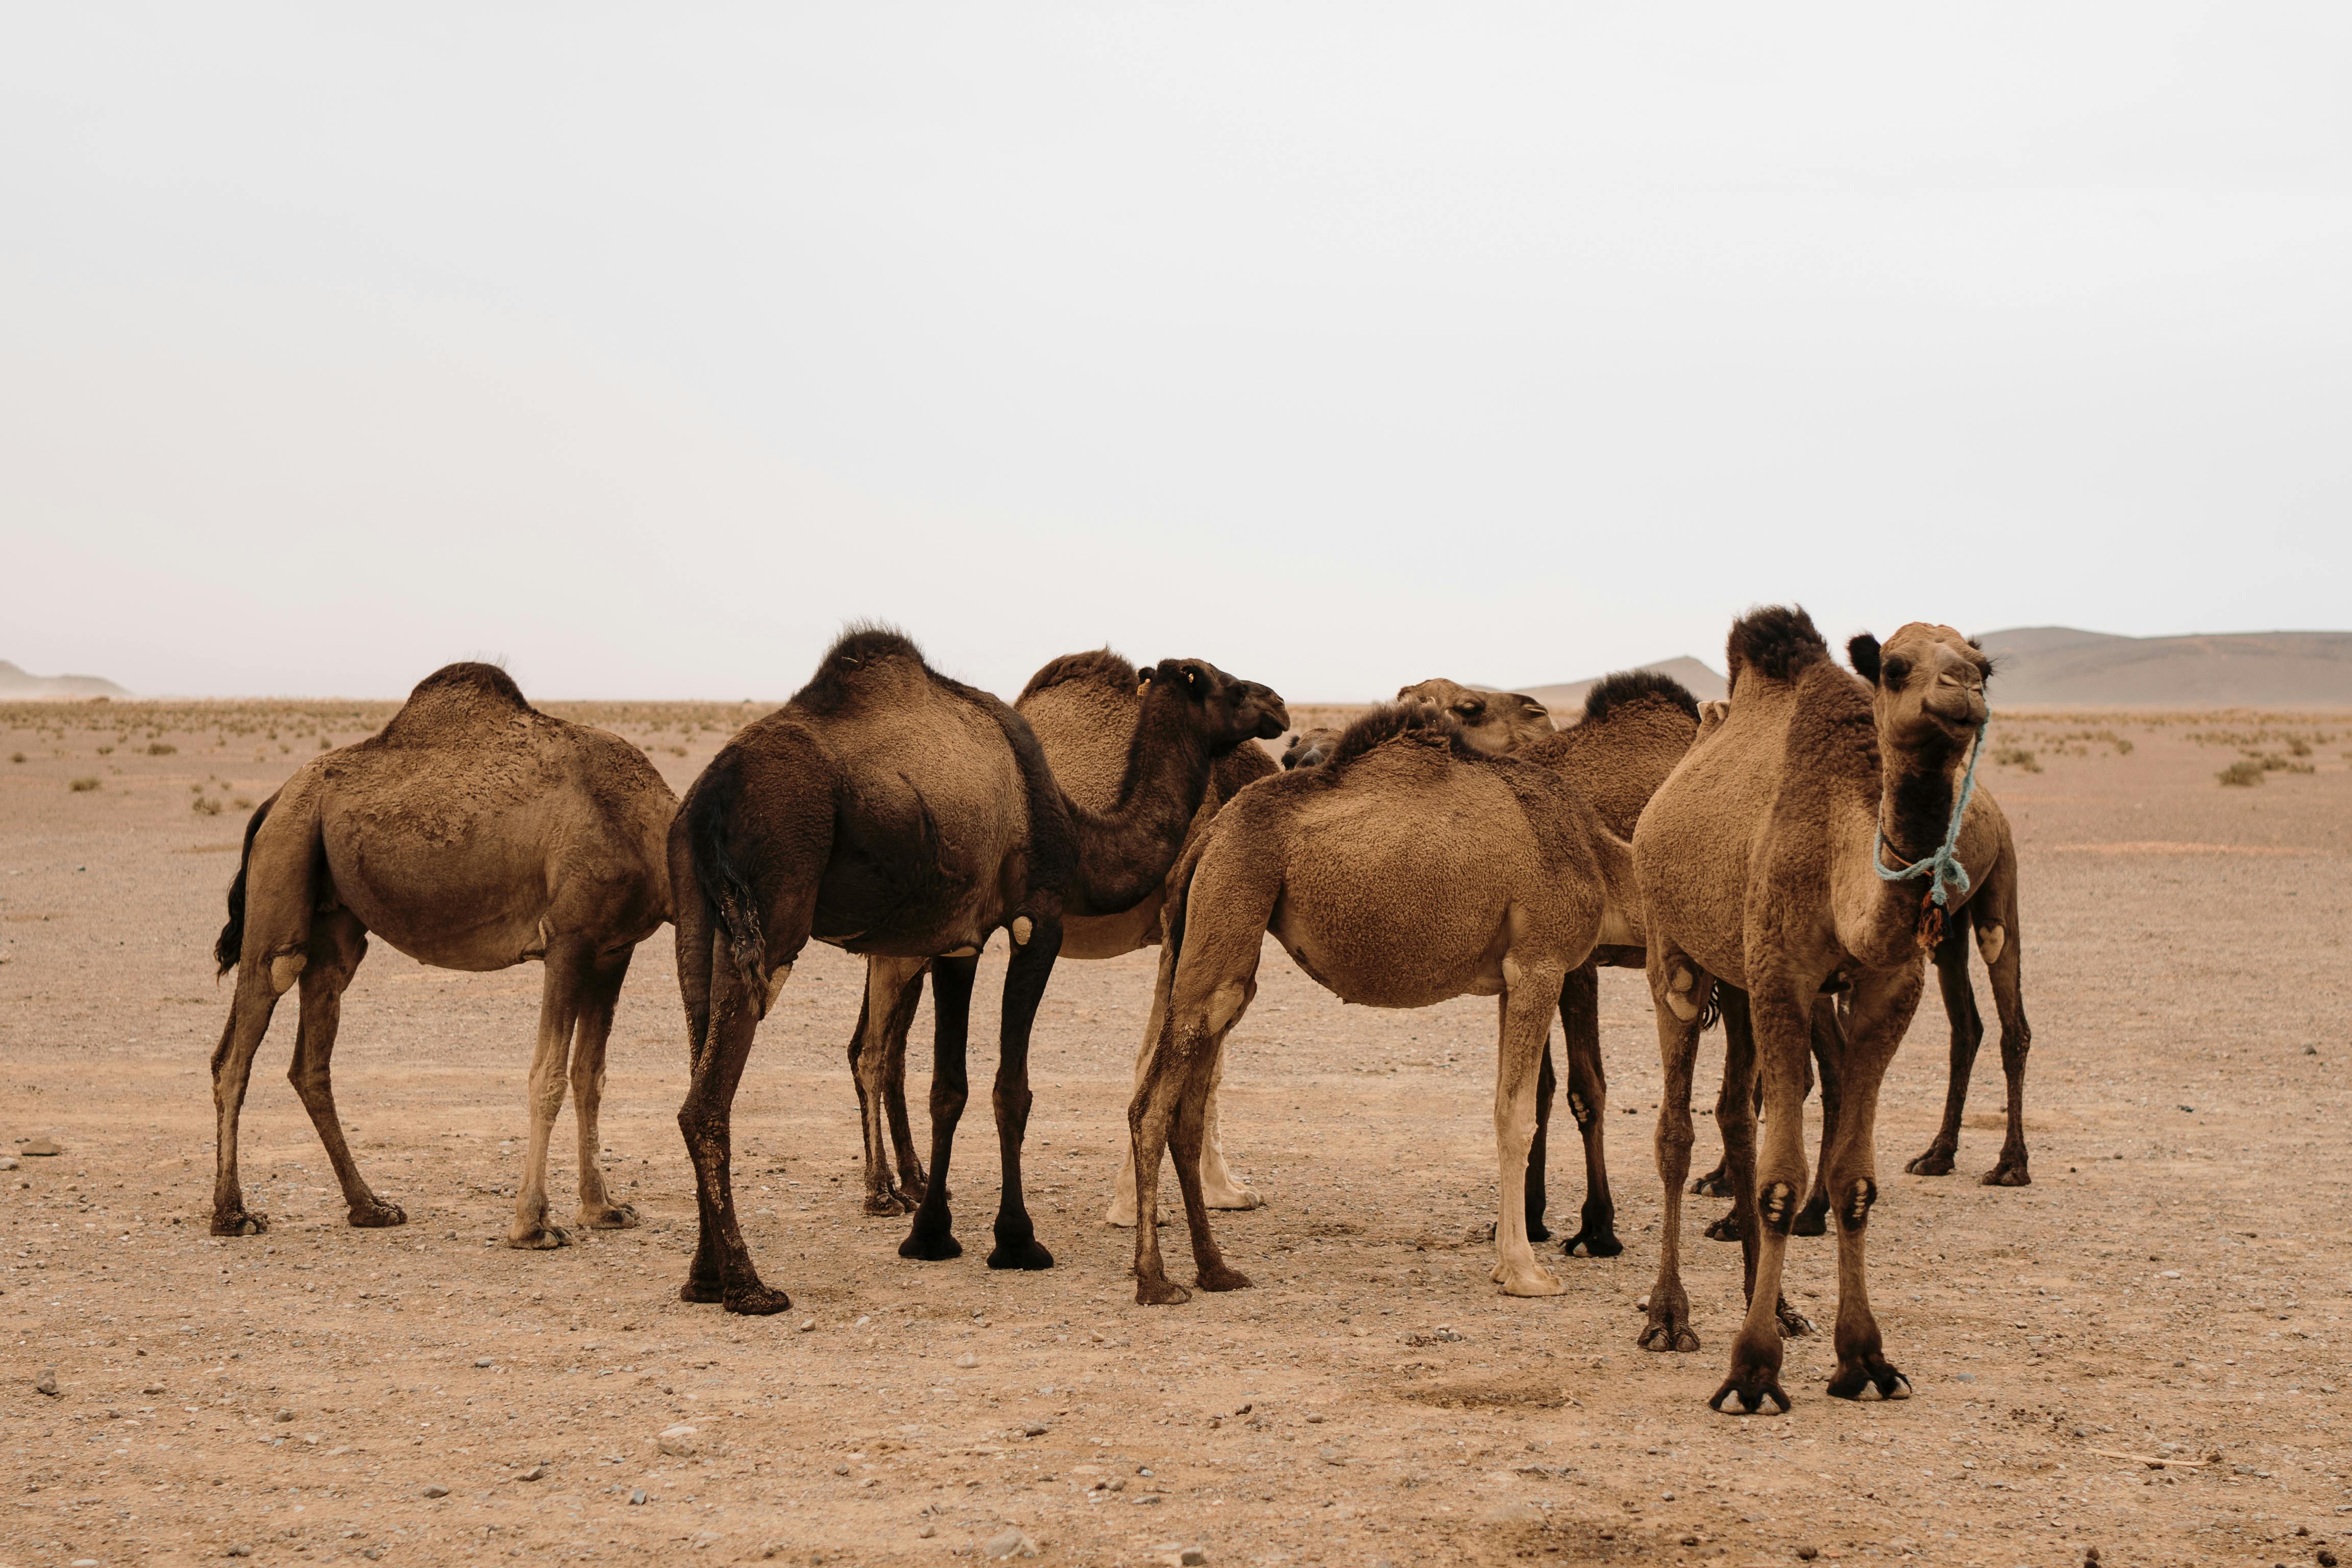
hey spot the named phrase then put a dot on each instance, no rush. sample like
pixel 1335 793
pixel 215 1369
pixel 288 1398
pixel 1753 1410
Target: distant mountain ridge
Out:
pixel 20 684
pixel 2049 666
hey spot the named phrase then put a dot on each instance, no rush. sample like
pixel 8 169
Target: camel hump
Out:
pixel 457 700
pixel 1632 687
pixel 1778 642
pixel 868 660
pixel 1415 722
pixel 1096 667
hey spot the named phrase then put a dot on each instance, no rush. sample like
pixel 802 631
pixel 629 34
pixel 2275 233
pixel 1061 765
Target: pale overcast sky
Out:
pixel 1342 345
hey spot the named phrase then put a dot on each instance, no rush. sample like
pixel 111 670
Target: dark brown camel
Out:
pixel 890 811
pixel 1084 708
pixel 474 832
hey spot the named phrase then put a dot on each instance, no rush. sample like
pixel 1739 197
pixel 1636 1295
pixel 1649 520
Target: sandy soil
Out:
pixel 2174 1285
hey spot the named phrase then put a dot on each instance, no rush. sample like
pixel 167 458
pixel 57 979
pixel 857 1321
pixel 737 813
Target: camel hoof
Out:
pixel 1936 1161
pixel 1714 1185
pixel 380 1216
pixel 618 1217
pixel 756 1300
pixel 1749 1393
pixel 1222 1278
pixel 240 1222
pixel 931 1247
pixel 1231 1198
pixel 2007 1173
pixel 1813 1219
pixel 1536 1281
pixel 1019 1254
pixel 1161 1293
pixel 700 1291
pixel 545 1238
pixel 1793 1323
pixel 1724 1230
pixel 1592 1244
pixel 1875 1373
pixel 890 1203
pixel 1669 1328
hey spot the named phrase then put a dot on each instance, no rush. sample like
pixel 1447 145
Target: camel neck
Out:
pixel 1918 787
pixel 1127 851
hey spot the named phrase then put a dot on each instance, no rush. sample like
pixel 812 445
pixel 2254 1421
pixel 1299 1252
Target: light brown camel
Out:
pixel 1492 721
pixel 474 832
pixel 1084 708
pixel 892 811
pixel 1635 727
pixel 1760 864
pixel 1337 863
pixel 1309 748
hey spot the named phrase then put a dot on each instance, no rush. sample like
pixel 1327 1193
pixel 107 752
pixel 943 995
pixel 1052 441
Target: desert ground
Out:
pixel 2143 1352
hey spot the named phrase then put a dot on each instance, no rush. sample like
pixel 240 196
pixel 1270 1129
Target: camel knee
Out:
pixel 1853 1209
pixel 1991 940
pixel 1586 1110
pixel 1777 1205
pixel 1225 1005
pixel 284 970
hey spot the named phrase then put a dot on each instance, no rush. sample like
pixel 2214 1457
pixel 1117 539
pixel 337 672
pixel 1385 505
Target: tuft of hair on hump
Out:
pixel 1414 721
pixel 471 676
pixel 1096 667
pixel 1625 688
pixel 1776 641
pixel 860 645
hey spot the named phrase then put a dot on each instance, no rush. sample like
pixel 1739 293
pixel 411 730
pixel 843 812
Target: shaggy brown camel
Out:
pixel 1778 857
pixel 892 811
pixel 1084 708
pixel 1336 862
pixel 1635 727
pixel 474 832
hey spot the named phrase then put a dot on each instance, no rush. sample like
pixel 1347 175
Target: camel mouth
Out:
pixel 1274 719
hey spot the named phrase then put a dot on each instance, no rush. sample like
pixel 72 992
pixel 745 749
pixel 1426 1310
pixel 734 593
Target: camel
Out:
pixel 895 813
pixel 1635 727
pixel 1778 857
pixel 1309 748
pixel 1336 862
pixel 473 832
pixel 1084 708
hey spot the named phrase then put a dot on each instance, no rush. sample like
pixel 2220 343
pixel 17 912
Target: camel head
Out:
pixel 1309 749
pixel 1492 721
pixel 1928 685
pixel 1229 710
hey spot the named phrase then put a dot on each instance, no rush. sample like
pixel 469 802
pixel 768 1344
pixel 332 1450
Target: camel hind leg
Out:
pixel 248 1020
pixel 877 1061
pixel 1997 937
pixel 567 965
pixel 1031 966
pixel 1221 1187
pixel 338 942
pixel 1968 1034
pixel 1588 1103
pixel 1669 1324
pixel 600 992
pixel 1523 1025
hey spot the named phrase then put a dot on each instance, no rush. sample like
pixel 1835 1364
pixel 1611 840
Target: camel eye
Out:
pixel 1895 670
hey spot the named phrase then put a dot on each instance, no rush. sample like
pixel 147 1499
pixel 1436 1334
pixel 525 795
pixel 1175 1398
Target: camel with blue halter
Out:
pixel 1798 849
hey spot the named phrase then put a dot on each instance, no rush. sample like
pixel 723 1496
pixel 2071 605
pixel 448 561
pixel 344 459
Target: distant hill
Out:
pixel 16 685
pixel 1566 700
pixel 2228 669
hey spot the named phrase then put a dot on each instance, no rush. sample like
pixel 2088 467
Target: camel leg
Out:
pixel 249 1008
pixel 1539 1147
pixel 2007 967
pixel 722 1270
pixel 1221 1187
pixel 1736 1111
pixel 1669 1324
pixel 1882 1007
pixel 894 988
pixel 1784 1033
pixel 932 1236
pixel 1025 974
pixel 1188 1138
pixel 600 994
pixel 1523 1027
pixel 912 1182
pixel 1829 1049
pixel 338 942
pixel 1588 1102
pixel 567 965
pixel 1150 1117
pixel 1967 1034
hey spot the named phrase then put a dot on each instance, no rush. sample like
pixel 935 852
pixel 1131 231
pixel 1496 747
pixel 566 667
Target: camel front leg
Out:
pixel 2016 1042
pixel 1829 1050
pixel 931 1236
pixel 1188 1136
pixel 1882 1012
pixel 1523 1020
pixel 559 1010
pixel 1031 966
pixel 1588 1104
pixel 1674 981
pixel 1783 1028
pixel 600 994
pixel 338 942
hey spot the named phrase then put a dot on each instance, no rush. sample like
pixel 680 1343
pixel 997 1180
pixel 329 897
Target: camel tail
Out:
pixel 230 946
pixel 733 906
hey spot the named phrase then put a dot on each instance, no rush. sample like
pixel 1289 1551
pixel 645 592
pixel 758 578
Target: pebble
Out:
pixel 1033 1430
pixel 1009 1542
pixel 967 1361
pixel 239 1550
pixel 637 1498
pixel 43 1146
pixel 536 1473
pixel 7 1161
pixel 808 1325
pixel 283 1416
pixel 482 1361
pixel 437 1490
pixel 678 1442
pixel 926 1532
pixel 46 1381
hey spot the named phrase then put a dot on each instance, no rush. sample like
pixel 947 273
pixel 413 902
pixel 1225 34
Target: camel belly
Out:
pixel 1414 974
pixel 448 906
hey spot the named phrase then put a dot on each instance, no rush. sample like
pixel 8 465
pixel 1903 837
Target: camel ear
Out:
pixel 1193 681
pixel 1864 651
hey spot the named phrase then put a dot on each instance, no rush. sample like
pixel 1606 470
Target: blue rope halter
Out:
pixel 1947 879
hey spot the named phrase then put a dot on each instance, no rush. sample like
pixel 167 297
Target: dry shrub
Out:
pixel 2242 772
pixel 81 785
pixel 2017 757
pixel 161 749
pixel 205 805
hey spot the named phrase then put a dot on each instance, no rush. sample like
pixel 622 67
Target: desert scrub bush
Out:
pixel 2243 772
pixel 2017 757
pixel 16 756
pixel 160 748
pixel 242 803
pixel 81 785
pixel 2299 746
pixel 204 806
pixel 106 750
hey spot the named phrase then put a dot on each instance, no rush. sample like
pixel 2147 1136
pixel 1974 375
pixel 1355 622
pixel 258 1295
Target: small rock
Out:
pixel 46 1381
pixel 239 1550
pixel 2326 1559
pixel 1008 1542
pixel 679 1442
pixel 536 1473
pixel 43 1146
pixel 1807 1553
pixel 436 1491
pixel 7 1161
pixel 283 1416
pixel 926 1532
pixel 1964 1377
pixel 1033 1430
pixel 1330 1454
pixel 482 1361
pixel 967 1361
pixel 1191 1557
pixel 808 1325
pixel 637 1498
